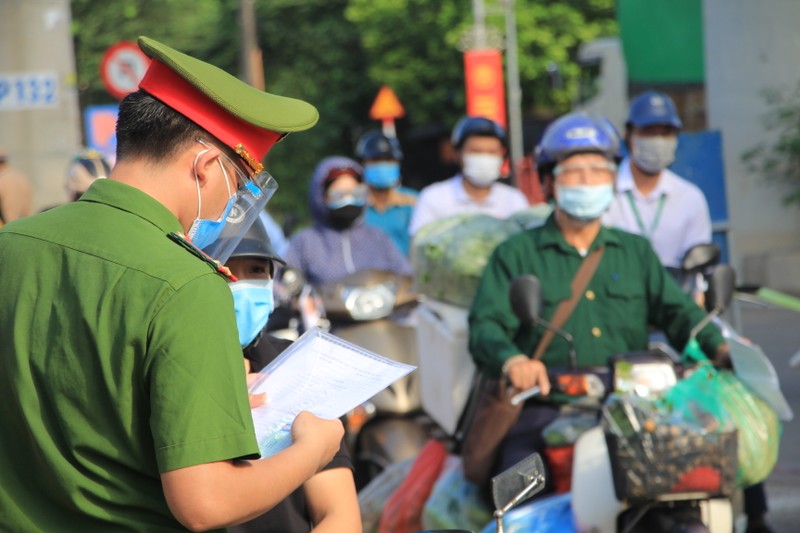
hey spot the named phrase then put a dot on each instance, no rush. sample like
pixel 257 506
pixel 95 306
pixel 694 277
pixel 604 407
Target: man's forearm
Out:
pixel 225 493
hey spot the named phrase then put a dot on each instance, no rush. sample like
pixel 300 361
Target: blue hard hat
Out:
pixel 653 108
pixel 576 133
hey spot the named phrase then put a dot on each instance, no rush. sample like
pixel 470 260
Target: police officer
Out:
pixel 389 204
pixel 123 389
pixel 481 146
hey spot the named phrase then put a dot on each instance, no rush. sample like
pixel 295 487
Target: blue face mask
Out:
pixel 253 303
pixel 204 231
pixel 584 202
pixel 382 175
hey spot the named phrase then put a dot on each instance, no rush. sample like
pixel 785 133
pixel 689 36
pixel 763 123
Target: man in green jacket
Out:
pixel 123 395
pixel 629 290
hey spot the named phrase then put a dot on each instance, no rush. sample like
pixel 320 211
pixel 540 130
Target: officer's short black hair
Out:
pixel 149 129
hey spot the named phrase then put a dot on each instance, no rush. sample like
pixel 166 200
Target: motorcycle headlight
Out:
pixel 369 303
pixel 645 379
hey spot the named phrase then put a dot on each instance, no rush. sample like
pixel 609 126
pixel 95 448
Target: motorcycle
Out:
pixel 604 495
pixel 376 310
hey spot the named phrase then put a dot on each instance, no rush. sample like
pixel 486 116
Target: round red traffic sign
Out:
pixel 122 68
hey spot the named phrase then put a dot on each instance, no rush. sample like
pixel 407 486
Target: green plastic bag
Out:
pixel 718 401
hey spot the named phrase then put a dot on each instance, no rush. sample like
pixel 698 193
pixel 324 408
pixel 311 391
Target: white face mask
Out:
pixel 482 170
pixel 653 154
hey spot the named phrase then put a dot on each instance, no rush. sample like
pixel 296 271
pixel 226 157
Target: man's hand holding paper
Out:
pixel 319 373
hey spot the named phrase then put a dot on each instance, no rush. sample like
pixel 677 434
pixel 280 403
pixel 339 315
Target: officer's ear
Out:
pixel 206 164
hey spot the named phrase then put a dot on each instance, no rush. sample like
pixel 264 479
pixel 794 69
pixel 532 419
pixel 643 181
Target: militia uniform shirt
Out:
pixel 120 360
pixel 629 291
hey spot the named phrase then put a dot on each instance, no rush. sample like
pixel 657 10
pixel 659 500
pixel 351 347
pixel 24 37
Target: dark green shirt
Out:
pixel 629 291
pixel 120 361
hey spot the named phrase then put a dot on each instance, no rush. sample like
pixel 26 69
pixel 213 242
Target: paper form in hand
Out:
pixel 319 373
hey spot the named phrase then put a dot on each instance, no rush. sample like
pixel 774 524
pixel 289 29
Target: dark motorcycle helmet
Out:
pixel 476 127
pixel 375 145
pixel 256 243
pixel 85 167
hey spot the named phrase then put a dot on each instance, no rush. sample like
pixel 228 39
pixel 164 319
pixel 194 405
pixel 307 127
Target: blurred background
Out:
pixel 64 65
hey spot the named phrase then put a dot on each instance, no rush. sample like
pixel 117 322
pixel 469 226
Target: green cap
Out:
pixel 241 116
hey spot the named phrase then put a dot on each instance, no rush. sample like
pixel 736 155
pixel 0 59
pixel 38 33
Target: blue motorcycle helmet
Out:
pixel 653 108
pixel 476 127
pixel 576 133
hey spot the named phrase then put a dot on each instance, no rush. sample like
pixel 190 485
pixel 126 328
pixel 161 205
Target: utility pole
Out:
pixel 479 16
pixel 514 91
pixel 251 65
pixel 39 111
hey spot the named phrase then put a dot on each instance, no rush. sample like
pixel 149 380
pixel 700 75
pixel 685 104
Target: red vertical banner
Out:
pixel 483 75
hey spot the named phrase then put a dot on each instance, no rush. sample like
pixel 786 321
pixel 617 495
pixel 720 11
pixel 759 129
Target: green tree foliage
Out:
pixel 337 53
pixel 779 161
pixel 204 28
pixel 312 52
pixel 413 45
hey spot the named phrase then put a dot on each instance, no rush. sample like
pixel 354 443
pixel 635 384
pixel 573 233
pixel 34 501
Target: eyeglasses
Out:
pixel 245 182
pixel 336 198
pixel 594 173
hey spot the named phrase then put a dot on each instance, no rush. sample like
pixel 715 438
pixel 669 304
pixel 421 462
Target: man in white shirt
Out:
pixel 481 145
pixel 650 199
pixel 670 211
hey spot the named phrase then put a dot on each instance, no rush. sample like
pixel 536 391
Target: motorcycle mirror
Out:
pixel 700 257
pixel 525 295
pixel 721 287
pixel 518 483
pixel 292 280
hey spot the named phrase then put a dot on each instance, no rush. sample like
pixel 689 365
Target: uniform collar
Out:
pixel 625 181
pixel 132 200
pixel 551 236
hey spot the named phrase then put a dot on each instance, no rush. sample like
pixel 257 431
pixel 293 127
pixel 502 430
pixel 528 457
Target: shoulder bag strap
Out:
pixel 564 309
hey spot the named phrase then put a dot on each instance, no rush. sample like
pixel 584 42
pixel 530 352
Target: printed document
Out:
pixel 319 373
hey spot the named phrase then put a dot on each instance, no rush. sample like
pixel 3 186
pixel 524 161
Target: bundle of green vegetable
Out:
pixel 449 254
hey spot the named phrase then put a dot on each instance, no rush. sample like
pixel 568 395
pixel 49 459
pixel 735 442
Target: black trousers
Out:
pixel 525 437
pixel 755 500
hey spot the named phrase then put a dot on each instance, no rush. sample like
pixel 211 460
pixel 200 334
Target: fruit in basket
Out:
pixel 699 479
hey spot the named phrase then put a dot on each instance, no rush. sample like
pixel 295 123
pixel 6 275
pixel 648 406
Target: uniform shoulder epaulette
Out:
pixel 184 242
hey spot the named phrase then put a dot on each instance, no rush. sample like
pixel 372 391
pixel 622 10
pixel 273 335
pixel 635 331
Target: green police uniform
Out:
pixel 629 291
pixel 121 361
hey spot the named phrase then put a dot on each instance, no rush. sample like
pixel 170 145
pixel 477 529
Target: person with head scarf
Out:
pixel 339 243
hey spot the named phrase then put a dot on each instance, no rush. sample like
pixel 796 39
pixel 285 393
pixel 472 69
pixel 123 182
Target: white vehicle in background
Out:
pixel 603 88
